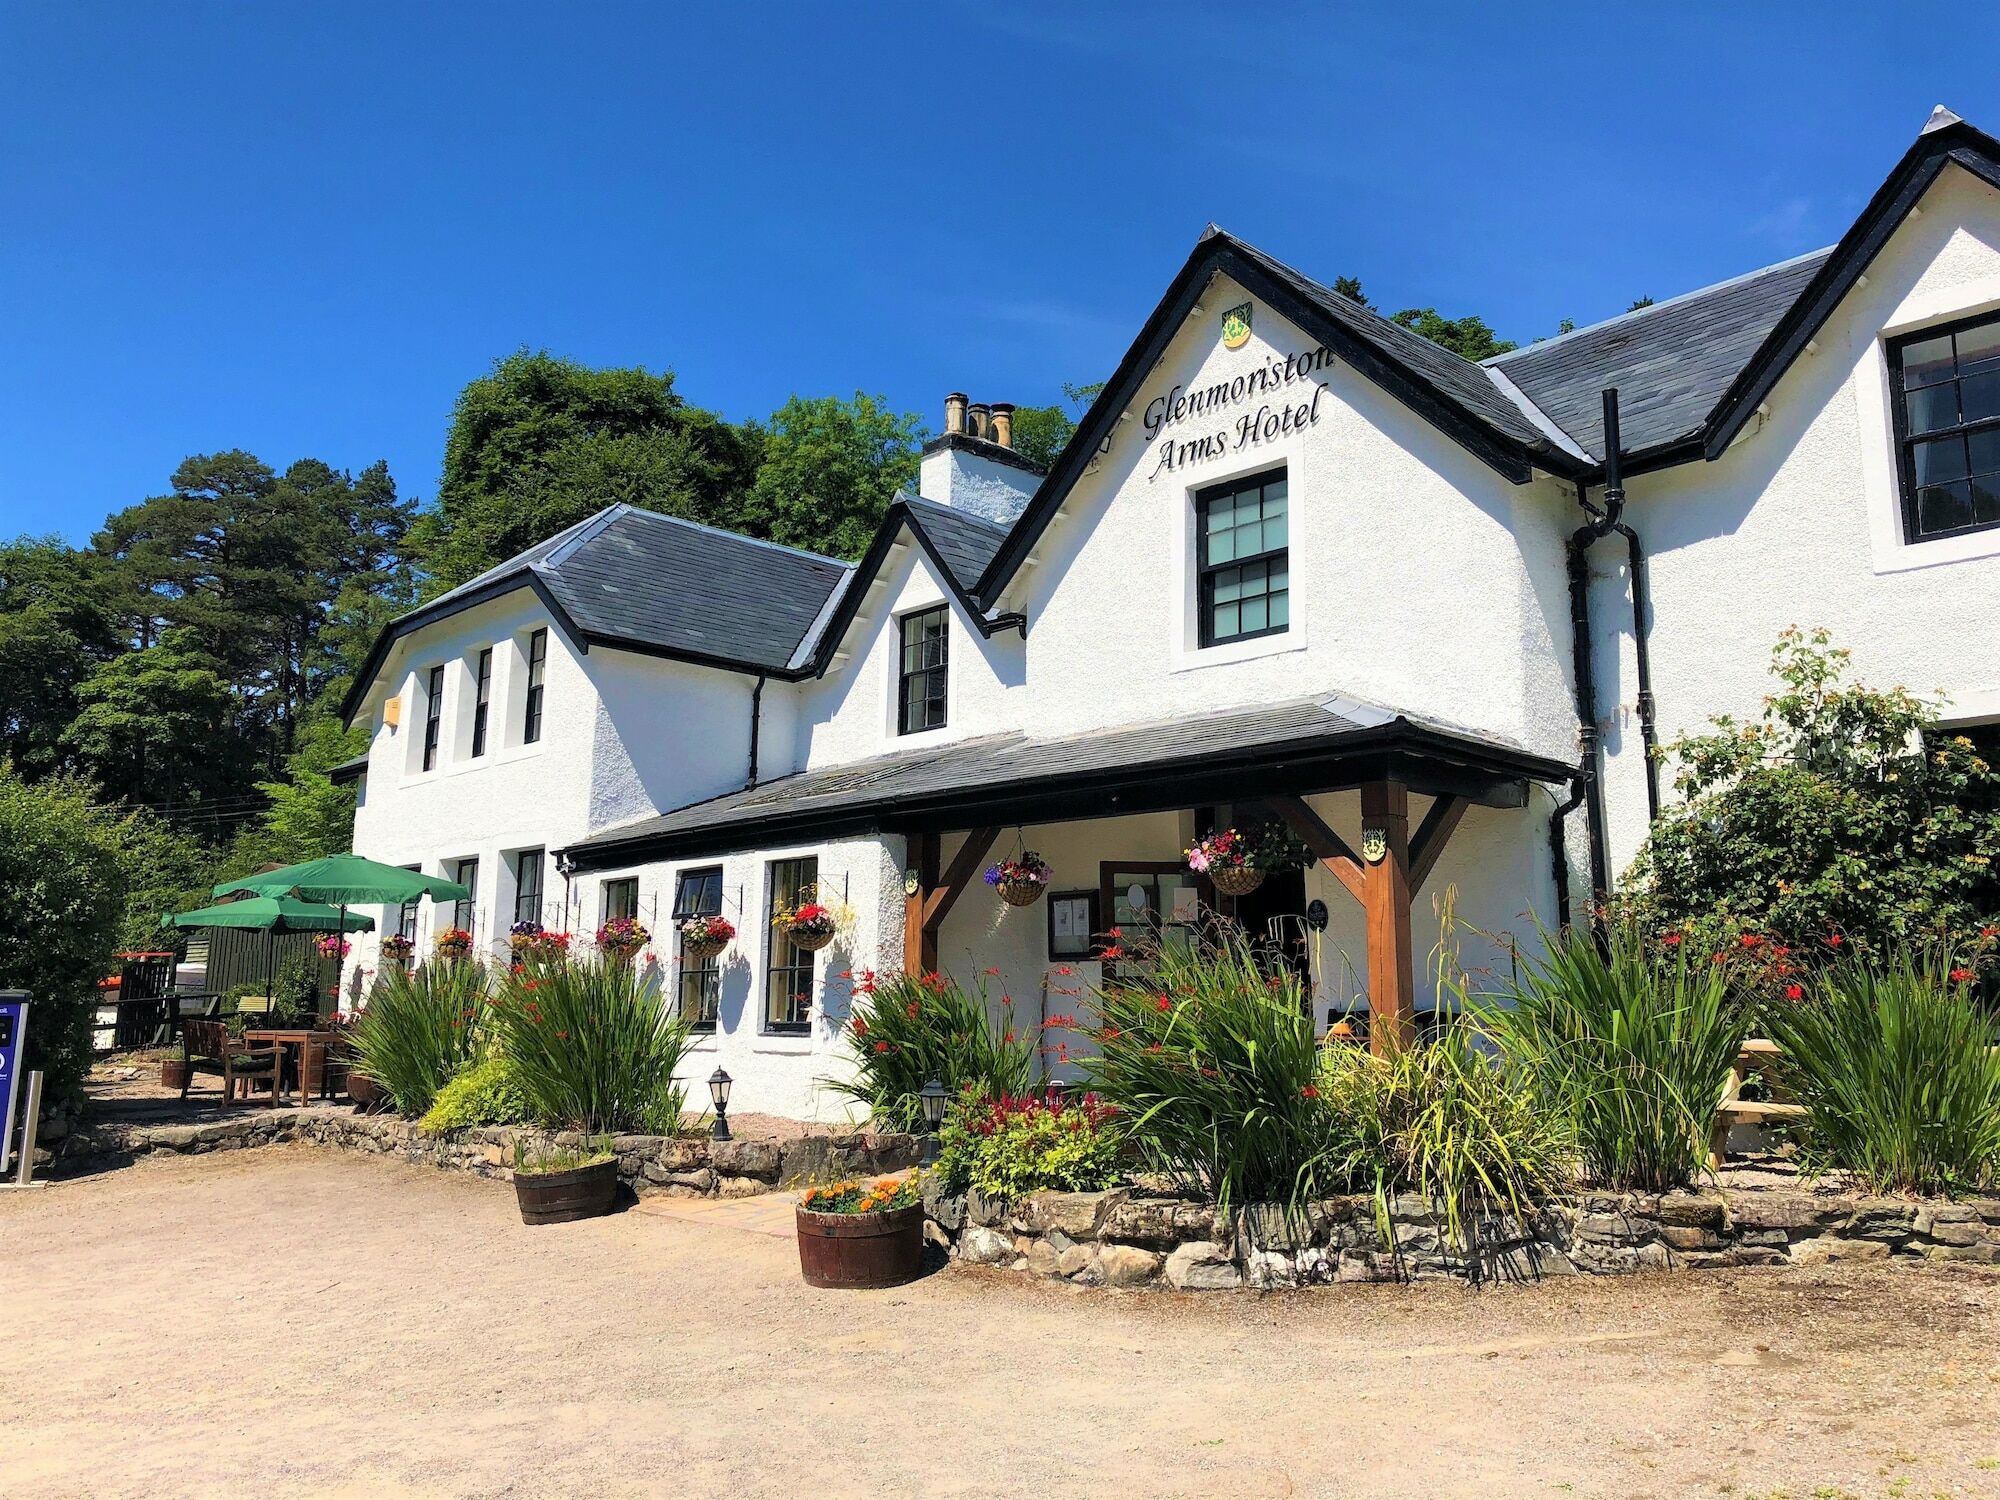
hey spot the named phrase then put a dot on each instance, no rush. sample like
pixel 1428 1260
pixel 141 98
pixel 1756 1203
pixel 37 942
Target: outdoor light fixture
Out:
pixel 718 1094
pixel 1053 1092
pixel 933 1098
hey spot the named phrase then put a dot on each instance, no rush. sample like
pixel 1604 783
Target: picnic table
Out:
pixel 1755 1056
pixel 311 1049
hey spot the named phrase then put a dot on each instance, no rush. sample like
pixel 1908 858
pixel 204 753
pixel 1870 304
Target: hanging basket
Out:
pixel 1021 892
pixel 701 952
pixel 1235 880
pixel 811 942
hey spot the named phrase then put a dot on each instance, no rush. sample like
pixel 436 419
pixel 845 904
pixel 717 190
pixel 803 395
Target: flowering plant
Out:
pixel 809 920
pixel 623 935
pixel 1029 869
pixel 453 942
pixel 849 1197
pixel 1266 847
pixel 332 945
pixel 398 947
pixel 706 933
pixel 1023 1143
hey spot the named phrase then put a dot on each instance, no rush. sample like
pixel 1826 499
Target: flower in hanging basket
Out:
pixel 810 926
pixel 397 948
pixel 453 942
pixel 1020 881
pixel 704 937
pixel 334 946
pixel 621 937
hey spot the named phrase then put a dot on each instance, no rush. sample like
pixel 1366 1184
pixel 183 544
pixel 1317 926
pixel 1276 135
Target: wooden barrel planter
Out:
pixel 363 1090
pixel 861 1251
pixel 1235 880
pixel 174 1074
pixel 559 1197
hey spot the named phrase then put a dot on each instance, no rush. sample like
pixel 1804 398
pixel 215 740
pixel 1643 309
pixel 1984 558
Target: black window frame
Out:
pixel 622 883
pixel 463 913
pixel 482 699
pixel 538 666
pixel 698 987
pixel 798 878
pixel 433 715
pixel 934 677
pixel 1206 572
pixel 1907 441
pixel 406 914
pixel 540 856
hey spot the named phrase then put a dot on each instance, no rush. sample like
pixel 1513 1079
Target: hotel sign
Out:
pixel 1228 415
pixel 13 1052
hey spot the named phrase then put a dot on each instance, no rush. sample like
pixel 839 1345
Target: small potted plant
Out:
pixel 855 1234
pixel 704 937
pixel 1236 860
pixel 534 943
pixel 555 1184
pixel 396 949
pixel 453 942
pixel 332 945
pixel 1022 881
pixel 174 1069
pixel 622 937
pixel 810 926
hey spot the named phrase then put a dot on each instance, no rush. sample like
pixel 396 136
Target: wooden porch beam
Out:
pixel 1328 847
pixel 1392 984
pixel 1428 842
pixel 919 942
pixel 964 865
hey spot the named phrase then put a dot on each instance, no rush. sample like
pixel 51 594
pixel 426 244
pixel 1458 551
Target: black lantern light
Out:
pixel 718 1094
pixel 933 1098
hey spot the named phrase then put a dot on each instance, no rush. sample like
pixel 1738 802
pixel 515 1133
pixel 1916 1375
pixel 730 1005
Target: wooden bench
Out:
pixel 1754 1057
pixel 209 1048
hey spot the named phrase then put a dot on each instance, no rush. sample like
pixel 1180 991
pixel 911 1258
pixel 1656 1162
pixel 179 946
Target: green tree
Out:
pixel 1468 337
pixel 154 726
pixel 55 629
pixel 62 886
pixel 542 442
pixel 1840 816
pixel 830 469
pixel 1041 432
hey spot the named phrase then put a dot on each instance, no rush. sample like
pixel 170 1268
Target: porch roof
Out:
pixel 1321 743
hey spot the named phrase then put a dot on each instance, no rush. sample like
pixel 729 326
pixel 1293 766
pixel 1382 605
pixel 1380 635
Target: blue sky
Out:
pixel 301 229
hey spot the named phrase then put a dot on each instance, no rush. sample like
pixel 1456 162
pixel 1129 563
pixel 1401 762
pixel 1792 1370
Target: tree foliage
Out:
pixel 830 469
pixel 1040 432
pixel 1840 816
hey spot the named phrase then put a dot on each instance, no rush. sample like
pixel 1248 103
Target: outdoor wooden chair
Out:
pixel 325 1066
pixel 209 1048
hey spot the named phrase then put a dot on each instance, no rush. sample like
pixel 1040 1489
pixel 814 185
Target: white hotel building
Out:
pixel 1295 560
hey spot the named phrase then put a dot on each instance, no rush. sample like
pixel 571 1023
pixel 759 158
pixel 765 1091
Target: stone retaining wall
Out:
pixel 1128 1237
pixel 693 1167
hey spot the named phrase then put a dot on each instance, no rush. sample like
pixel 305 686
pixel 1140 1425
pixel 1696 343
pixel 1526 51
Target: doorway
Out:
pixel 1273 917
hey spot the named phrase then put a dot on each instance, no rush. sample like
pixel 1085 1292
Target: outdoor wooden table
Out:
pixel 287 1037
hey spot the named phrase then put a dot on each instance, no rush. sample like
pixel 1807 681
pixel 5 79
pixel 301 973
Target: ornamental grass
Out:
pixel 593 1046
pixel 1630 1042
pixel 1894 1060
pixel 420 1029
pixel 907 1030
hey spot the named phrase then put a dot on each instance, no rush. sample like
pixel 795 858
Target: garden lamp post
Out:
pixel 718 1095
pixel 933 1098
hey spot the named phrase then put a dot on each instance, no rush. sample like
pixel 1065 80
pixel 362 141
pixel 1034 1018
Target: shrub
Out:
pixel 1014 1145
pixel 1896 1068
pixel 1213 1065
pixel 419 1030
pixel 910 1029
pixel 594 1046
pixel 1465 1131
pixel 62 886
pixel 1630 1042
pixel 483 1094
pixel 877 1197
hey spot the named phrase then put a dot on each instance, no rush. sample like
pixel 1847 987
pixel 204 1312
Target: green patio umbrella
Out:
pixel 268 915
pixel 344 880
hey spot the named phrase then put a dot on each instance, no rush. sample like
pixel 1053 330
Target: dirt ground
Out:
pixel 297 1322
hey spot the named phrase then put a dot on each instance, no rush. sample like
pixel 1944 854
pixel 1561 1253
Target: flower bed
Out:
pixel 1128 1237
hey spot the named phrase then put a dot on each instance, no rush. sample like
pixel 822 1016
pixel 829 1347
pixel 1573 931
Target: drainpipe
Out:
pixel 1559 849
pixel 756 726
pixel 1587 787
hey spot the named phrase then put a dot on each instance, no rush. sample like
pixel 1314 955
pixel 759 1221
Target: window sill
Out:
pixel 1190 659
pixel 1903 556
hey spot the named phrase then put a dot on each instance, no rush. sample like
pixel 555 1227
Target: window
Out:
pixel 1947 393
pixel 482 697
pixel 467 875
pixel 621 899
pixel 528 886
pixel 1243 581
pixel 923 675
pixel 406 914
pixel 538 662
pixel 789 985
pixel 698 893
pixel 433 715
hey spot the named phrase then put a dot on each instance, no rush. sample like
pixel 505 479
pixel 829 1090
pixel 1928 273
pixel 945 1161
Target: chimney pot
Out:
pixel 954 413
pixel 982 416
pixel 1003 423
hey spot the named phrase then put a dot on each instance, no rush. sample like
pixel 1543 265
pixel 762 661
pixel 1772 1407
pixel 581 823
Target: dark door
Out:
pixel 1273 917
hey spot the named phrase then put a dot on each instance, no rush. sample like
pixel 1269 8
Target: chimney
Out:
pixel 1003 423
pixel 981 415
pixel 954 413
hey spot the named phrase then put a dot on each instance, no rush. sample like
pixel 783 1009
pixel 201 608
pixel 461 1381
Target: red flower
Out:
pixel 1010 1035
pixel 1672 940
pixel 1794 992
pixel 1833 940
pixel 1960 975
pixel 1721 958
pixel 1309 1092
pixel 1115 933
pixel 562 1036
pixel 531 984
pixel 1164 1001
pixel 1987 932
pixel 1114 951
pixel 861 1026
pixel 1749 940
pixel 910 1010
pixel 990 973
pixel 881 1046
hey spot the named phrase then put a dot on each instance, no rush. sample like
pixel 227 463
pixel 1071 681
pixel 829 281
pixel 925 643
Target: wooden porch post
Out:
pixel 1392 984
pixel 925 911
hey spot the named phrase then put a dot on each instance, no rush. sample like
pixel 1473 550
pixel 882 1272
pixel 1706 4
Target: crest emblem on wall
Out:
pixel 1236 327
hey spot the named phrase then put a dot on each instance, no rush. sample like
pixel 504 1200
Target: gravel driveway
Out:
pixel 292 1322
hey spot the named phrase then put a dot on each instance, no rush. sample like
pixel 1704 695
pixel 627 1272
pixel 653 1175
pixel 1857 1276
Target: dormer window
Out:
pixel 1243 570
pixel 922 684
pixel 1947 383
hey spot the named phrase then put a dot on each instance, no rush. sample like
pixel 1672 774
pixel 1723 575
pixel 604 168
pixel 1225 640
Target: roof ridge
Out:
pixel 1640 312
pixel 734 536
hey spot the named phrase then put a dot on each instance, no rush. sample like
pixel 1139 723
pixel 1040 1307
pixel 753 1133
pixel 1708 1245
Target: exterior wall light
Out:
pixel 933 1098
pixel 718 1095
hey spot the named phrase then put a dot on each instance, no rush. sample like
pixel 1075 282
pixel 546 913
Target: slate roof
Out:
pixel 863 794
pixel 1671 362
pixel 965 542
